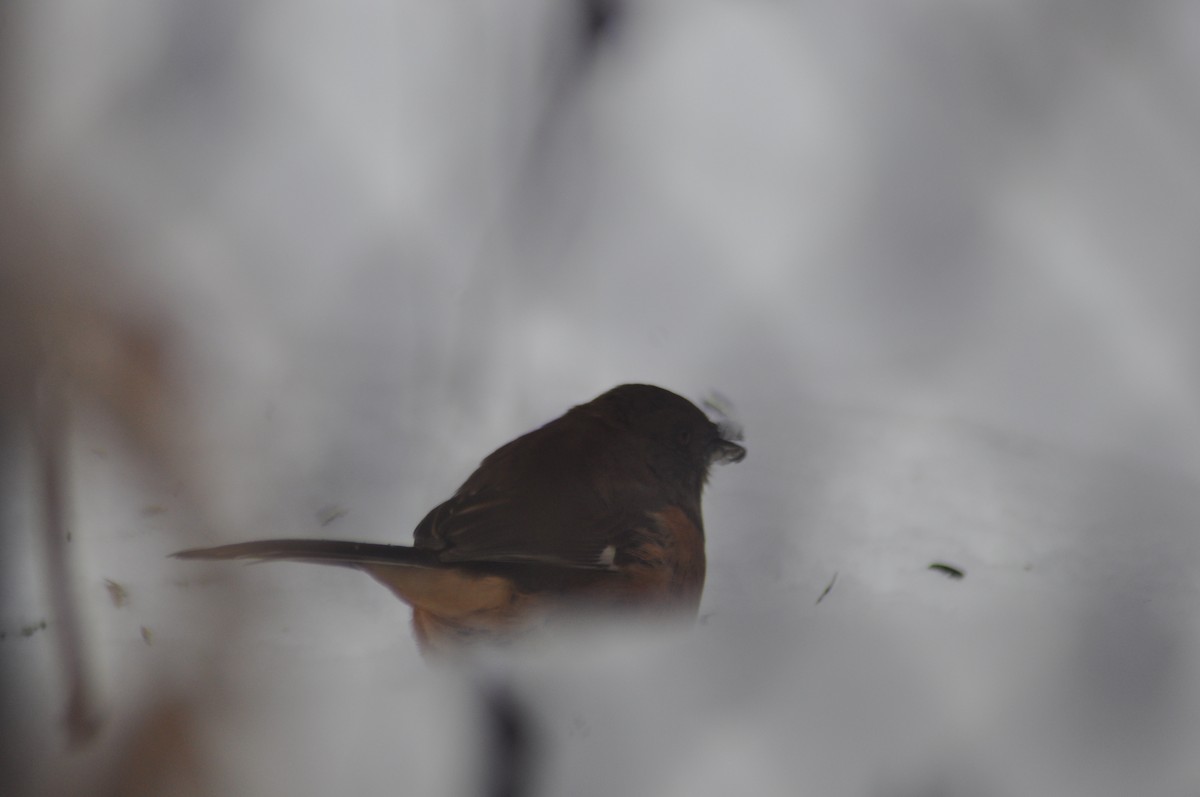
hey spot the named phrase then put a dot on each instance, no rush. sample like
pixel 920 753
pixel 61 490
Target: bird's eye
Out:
pixel 683 437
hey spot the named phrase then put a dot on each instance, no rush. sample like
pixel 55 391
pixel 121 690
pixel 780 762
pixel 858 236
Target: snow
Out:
pixel 939 256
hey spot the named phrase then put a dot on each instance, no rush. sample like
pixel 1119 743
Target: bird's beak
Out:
pixel 727 451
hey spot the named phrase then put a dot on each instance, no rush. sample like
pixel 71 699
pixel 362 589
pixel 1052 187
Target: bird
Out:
pixel 597 510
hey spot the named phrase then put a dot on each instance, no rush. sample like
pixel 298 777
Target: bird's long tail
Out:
pixel 440 593
pixel 330 552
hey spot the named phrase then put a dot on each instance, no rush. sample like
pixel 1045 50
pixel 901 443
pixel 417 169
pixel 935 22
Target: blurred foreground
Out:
pixel 291 269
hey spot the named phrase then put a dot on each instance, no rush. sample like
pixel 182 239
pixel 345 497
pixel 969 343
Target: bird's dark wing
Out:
pixel 484 527
pixel 561 495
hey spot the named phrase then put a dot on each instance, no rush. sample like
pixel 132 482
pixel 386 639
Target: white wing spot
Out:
pixel 608 555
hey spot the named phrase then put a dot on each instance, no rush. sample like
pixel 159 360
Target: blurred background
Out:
pixel 292 269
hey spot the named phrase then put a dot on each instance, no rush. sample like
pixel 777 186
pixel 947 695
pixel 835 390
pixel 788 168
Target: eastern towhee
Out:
pixel 598 509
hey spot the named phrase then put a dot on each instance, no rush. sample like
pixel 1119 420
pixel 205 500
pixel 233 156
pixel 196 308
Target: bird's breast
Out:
pixel 663 561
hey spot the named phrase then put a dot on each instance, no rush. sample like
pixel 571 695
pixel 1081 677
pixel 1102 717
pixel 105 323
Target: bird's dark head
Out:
pixel 682 437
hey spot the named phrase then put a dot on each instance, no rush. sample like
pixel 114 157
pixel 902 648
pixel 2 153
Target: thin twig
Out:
pixel 828 587
pixel 50 450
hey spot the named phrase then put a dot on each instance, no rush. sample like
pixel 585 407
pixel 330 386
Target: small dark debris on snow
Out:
pixel 828 587
pixel 948 570
pixel 116 593
pixel 330 513
pixel 33 628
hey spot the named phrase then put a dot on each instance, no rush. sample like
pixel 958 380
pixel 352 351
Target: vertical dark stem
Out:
pixel 509 743
pixel 50 446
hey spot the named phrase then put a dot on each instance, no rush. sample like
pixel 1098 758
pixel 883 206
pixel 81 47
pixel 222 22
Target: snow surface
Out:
pixel 939 255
